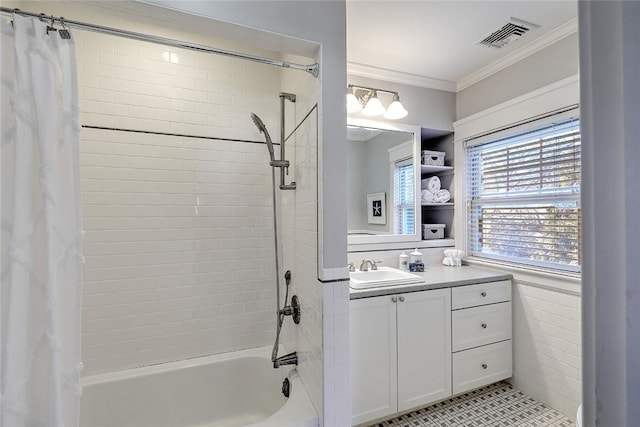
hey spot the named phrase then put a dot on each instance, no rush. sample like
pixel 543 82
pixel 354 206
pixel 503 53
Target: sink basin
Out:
pixel 383 276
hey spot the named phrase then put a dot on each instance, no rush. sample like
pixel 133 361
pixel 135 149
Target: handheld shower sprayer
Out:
pixel 263 130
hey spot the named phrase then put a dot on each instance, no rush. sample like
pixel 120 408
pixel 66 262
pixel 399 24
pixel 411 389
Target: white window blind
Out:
pixel 404 189
pixel 523 196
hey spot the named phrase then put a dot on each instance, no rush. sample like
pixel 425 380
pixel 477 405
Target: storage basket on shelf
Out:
pixel 433 158
pixel 433 231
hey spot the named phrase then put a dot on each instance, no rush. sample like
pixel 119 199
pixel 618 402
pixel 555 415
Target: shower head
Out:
pixel 263 130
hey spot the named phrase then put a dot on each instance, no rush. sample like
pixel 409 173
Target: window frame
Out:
pixel 410 206
pixel 497 138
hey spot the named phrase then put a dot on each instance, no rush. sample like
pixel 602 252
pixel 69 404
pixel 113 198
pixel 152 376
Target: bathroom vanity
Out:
pixel 412 345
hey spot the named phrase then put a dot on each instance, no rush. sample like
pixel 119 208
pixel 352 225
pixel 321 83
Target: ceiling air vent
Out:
pixel 511 31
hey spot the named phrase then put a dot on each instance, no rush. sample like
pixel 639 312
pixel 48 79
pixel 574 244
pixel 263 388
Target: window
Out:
pixel 523 196
pixel 404 189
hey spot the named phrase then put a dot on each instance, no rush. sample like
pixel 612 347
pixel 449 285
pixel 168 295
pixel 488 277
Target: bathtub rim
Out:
pixel 259 352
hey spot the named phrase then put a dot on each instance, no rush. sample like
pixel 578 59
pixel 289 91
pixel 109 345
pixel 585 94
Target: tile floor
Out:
pixel 498 405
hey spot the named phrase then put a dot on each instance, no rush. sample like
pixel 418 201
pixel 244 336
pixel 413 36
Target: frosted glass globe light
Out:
pixel 374 106
pixel 353 105
pixel 396 110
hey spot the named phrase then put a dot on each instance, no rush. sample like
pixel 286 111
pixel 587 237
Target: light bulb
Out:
pixel 353 105
pixel 396 110
pixel 374 106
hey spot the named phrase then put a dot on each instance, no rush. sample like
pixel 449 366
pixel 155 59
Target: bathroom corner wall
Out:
pixel 547 345
pixel 179 240
pixel 308 21
pixel 300 229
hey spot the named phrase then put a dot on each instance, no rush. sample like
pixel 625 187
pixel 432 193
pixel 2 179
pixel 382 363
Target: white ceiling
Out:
pixel 433 43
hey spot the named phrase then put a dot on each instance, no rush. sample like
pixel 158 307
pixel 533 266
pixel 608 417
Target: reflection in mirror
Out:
pixel 381 184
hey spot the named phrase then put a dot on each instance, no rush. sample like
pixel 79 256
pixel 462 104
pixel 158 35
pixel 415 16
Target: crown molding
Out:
pixel 553 36
pixel 399 77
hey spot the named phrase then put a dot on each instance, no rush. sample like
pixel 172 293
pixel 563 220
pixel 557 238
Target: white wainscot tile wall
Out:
pixel 547 346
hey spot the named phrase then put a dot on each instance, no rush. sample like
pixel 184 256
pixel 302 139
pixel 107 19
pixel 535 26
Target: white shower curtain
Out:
pixel 41 222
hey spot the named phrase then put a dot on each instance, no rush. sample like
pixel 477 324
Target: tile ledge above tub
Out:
pixel 437 277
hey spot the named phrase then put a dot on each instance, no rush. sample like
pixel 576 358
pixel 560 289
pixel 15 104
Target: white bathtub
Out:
pixel 229 390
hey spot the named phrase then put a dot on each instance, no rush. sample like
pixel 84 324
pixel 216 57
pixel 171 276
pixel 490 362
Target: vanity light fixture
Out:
pixel 373 107
pixel 396 110
pixel 365 100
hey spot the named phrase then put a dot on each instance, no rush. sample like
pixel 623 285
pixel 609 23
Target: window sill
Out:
pixel 569 283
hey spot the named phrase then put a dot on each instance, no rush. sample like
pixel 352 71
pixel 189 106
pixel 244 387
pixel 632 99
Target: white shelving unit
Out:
pixel 435 169
pixel 447 204
pixel 440 213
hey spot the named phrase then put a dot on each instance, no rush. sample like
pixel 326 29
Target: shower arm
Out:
pixel 284 167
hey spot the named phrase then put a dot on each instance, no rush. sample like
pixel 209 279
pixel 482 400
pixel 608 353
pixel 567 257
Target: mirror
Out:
pixel 382 189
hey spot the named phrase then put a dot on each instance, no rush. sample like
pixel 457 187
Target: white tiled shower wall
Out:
pixel 179 240
pixel 547 346
pixel 299 229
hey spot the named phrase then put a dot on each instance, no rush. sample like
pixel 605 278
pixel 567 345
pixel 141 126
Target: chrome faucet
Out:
pixel 287 359
pixel 363 265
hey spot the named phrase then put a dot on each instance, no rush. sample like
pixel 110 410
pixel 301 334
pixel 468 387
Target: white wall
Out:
pixel 323 22
pixel 299 231
pixel 547 345
pixel 553 63
pixel 179 241
pixel 610 96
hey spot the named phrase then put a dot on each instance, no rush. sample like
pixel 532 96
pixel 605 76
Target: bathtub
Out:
pixel 229 390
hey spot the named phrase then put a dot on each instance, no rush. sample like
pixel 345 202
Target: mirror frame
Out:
pixel 417 170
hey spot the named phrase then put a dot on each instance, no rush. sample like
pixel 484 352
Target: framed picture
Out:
pixel 377 208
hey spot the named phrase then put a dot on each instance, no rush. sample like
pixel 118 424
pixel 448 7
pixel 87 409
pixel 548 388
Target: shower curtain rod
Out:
pixel 312 69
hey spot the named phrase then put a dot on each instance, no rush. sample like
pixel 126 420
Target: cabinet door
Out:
pixel 424 347
pixel 373 359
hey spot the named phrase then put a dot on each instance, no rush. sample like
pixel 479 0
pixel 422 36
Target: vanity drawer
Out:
pixel 477 326
pixel 481 294
pixel 481 366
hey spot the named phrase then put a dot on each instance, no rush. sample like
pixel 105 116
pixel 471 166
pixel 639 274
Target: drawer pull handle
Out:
pixel 484 326
pixel 394 299
pixel 484 366
pixel 483 294
pixel 401 299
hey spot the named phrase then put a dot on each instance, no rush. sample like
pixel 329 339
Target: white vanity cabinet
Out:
pixel 400 352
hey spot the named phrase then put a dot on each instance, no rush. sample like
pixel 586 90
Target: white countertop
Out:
pixel 436 277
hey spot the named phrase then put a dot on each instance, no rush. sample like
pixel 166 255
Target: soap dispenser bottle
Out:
pixel 416 263
pixel 403 261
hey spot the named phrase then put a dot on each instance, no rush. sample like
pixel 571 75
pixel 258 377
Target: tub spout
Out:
pixel 287 359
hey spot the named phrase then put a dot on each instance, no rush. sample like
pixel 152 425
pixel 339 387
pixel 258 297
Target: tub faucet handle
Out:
pixel 287 359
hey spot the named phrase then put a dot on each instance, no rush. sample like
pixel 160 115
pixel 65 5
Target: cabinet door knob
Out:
pixel 483 293
pixel 394 299
pixel 484 366
pixel 484 326
pixel 401 299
